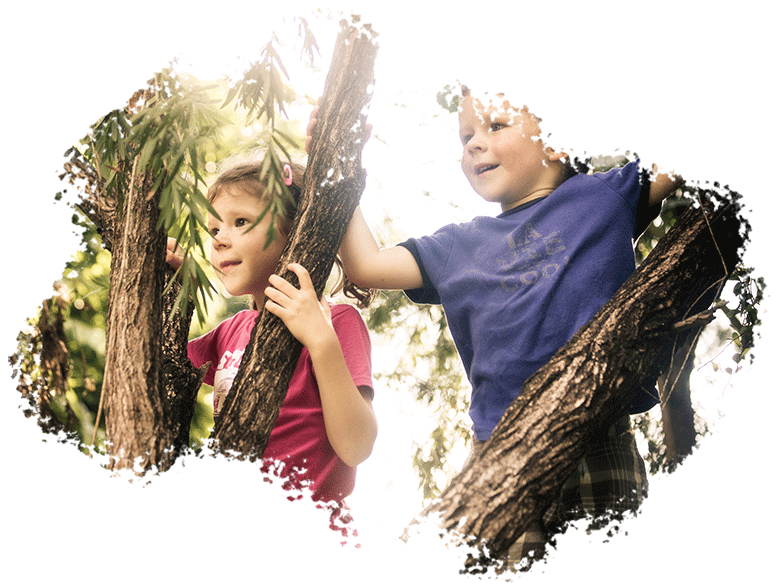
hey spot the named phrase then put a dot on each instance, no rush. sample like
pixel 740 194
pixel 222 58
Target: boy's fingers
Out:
pixel 309 138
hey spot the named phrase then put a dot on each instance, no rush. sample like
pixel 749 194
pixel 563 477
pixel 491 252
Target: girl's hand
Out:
pixel 174 253
pixel 308 318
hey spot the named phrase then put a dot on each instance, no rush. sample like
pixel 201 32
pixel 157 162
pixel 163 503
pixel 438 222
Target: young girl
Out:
pixel 515 288
pixel 326 426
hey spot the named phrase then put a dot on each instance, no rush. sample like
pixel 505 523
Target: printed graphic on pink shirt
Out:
pixel 225 374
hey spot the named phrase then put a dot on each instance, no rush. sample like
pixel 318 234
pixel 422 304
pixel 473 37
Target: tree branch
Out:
pixel 590 382
pixel 334 181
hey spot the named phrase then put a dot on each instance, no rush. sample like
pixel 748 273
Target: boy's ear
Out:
pixel 553 155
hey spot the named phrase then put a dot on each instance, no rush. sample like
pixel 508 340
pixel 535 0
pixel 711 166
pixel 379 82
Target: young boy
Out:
pixel 515 288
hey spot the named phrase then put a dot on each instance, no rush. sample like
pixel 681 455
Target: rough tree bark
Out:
pixel 137 418
pixel 180 379
pixel 334 181
pixel 582 389
pixel 149 385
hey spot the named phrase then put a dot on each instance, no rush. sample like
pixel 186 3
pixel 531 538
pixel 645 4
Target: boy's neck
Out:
pixel 563 173
pixel 530 198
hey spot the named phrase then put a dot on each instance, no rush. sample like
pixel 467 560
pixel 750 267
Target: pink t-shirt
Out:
pixel 298 439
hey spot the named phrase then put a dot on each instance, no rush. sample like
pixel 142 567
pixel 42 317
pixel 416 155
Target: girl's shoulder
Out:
pixel 245 319
pixel 344 311
pixel 346 317
pixel 240 318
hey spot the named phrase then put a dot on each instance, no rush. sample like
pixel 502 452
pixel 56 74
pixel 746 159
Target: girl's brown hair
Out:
pixel 248 178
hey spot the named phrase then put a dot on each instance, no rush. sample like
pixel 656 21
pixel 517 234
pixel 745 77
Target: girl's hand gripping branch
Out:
pixel 174 253
pixel 347 410
pixel 308 318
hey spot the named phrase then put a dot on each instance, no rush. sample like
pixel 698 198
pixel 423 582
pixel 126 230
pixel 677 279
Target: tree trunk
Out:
pixel 334 181
pixel 181 380
pixel 137 418
pixel 589 382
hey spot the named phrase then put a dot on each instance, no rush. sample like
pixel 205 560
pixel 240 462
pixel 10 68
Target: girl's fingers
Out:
pixel 279 287
pixel 277 296
pixel 305 281
pixel 174 253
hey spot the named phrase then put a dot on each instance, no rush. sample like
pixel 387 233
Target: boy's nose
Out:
pixel 477 142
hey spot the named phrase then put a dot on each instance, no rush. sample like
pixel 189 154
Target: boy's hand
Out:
pixel 314 118
pixel 308 318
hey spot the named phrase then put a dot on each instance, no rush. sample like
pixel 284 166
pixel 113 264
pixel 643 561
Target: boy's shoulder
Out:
pixel 621 177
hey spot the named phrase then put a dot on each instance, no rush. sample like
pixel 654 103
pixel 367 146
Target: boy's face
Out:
pixel 239 256
pixel 503 157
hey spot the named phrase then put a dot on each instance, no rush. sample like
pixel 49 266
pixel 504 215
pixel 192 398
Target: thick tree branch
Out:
pixel 334 181
pixel 181 380
pixel 137 415
pixel 590 382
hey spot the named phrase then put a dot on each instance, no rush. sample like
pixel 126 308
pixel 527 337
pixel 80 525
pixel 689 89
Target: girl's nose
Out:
pixel 221 241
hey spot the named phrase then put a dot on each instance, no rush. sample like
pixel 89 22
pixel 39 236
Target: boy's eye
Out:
pixel 241 222
pixel 465 139
pixel 213 232
pixel 497 126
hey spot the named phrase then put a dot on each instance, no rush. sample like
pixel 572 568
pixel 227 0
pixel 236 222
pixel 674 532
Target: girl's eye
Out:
pixel 213 232
pixel 497 126
pixel 466 138
pixel 241 222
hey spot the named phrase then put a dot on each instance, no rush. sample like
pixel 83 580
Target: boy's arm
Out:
pixel 662 186
pixel 368 266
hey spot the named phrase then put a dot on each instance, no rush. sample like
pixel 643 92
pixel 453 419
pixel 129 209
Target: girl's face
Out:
pixel 503 157
pixel 242 258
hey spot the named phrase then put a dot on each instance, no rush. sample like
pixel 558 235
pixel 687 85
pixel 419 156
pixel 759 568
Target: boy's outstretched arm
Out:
pixel 368 266
pixel 662 186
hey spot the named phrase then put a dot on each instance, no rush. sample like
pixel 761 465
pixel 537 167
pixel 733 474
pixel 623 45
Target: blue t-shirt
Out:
pixel 515 288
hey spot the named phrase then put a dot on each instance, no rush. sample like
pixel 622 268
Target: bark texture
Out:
pixel 137 417
pixel 334 181
pixel 180 379
pixel 591 380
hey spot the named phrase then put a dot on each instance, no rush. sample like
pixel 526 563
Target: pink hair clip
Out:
pixel 289 175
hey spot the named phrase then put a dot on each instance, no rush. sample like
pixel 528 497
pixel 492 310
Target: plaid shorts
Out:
pixel 610 481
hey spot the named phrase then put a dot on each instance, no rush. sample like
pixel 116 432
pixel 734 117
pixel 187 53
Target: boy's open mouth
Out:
pixel 481 169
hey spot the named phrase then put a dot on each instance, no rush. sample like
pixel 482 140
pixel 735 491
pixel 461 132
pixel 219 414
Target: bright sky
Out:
pixel 689 87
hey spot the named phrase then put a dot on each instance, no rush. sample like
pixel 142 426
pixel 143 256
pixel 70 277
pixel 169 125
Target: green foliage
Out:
pixel 80 303
pixel 262 93
pixel 170 132
pixel 745 317
pixel 164 133
pixel 430 367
